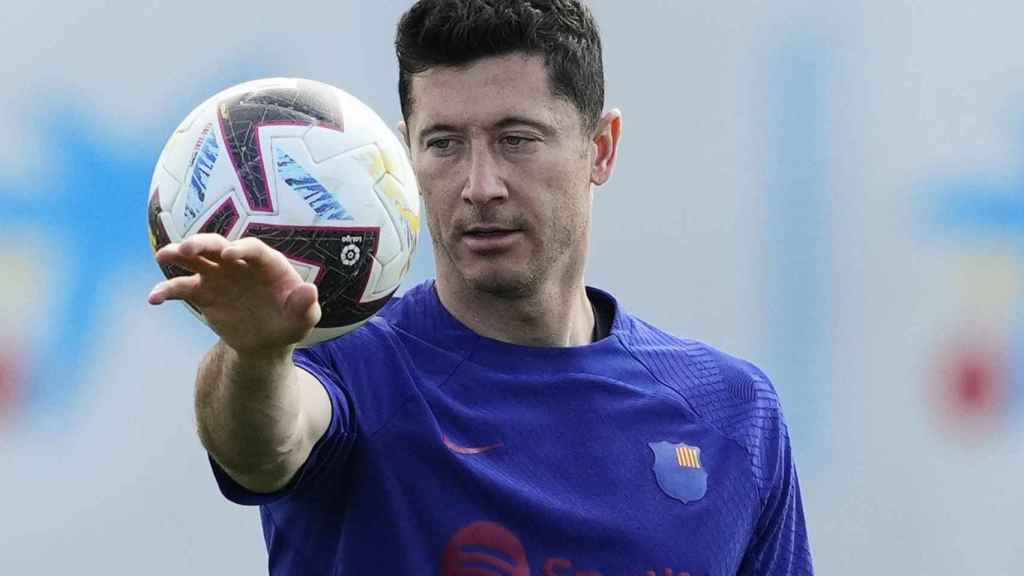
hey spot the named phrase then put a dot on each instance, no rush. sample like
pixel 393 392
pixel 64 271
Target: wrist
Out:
pixel 262 362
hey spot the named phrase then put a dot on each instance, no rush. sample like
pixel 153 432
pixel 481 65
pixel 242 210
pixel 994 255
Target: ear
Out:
pixel 403 130
pixel 606 146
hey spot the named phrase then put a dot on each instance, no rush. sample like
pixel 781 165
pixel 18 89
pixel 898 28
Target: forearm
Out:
pixel 249 415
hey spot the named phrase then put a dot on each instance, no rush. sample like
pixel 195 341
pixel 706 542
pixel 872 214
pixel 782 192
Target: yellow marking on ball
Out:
pixel 390 164
pixel 393 190
pixel 370 158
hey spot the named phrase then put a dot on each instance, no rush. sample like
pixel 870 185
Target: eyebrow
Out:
pixel 435 128
pixel 538 125
pixel 507 122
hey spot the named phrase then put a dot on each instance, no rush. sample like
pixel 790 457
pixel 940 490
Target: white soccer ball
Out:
pixel 308 169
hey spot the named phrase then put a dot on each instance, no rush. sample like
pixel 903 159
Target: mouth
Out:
pixel 485 231
pixel 489 238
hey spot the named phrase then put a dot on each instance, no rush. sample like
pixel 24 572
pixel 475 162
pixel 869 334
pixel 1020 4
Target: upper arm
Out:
pixel 779 545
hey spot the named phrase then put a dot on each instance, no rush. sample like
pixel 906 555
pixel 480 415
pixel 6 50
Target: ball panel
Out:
pixel 182 147
pixel 325 144
pixel 396 161
pixel 308 272
pixel 306 192
pixel 369 158
pixel 244 112
pixel 222 219
pixel 159 235
pixel 344 257
pixel 391 274
pixel 198 177
pixel 372 291
pixel 165 187
pixel 359 118
pixel 208 179
pixel 392 243
pixel 405 217
pixel 304 102
pixel 239 126
pixel 168 222
pixel 349 179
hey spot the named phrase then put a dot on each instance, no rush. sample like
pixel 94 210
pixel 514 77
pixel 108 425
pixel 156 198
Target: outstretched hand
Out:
pixel 247 291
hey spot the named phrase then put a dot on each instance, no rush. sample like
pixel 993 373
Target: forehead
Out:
pixel 485 92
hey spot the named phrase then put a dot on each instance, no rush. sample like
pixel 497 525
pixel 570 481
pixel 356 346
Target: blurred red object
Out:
pixel 974 384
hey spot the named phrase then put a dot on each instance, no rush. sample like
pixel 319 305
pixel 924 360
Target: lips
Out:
pixel 488 231
pixel 489 238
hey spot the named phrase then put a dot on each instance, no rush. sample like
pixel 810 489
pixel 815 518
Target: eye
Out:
pixel 441 144
pixel 516 141
pixel 519 143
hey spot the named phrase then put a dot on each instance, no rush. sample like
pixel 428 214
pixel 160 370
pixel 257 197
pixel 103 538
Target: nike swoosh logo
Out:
pixel 459 449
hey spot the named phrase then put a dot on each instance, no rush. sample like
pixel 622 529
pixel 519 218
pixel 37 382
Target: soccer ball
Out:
pixel 308 169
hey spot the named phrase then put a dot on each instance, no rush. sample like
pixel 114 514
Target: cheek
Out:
pixel 429 181
pixel 433 211
pixel 568 200
pixel 433 198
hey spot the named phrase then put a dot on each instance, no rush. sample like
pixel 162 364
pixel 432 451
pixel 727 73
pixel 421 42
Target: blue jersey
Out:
pixel 448 453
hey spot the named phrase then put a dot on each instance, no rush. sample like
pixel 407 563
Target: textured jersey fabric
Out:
pixel 450 453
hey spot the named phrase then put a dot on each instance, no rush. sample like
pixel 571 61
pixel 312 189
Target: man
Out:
pixel 505 418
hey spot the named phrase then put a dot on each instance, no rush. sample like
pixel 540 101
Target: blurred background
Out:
pixel 834 190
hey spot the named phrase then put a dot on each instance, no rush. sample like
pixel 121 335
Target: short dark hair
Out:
pixel 459 32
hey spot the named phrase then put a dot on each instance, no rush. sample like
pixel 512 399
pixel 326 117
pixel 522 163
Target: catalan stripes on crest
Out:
pixel 685 480
pixel 688 456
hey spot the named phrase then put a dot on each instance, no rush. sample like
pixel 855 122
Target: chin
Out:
pixel 503 283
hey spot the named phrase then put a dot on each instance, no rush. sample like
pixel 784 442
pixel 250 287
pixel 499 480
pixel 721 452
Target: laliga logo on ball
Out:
pixel 308 169
pixel 350 255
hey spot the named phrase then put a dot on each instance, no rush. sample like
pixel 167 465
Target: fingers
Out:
pixel 302 304
pixel 199 253
pixel 247 265
pixel 208 245
pixel 205 253
pixel 180 288
pixel 253 252
pixel 246 291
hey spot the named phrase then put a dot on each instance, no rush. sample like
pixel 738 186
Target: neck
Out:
pixel 551 317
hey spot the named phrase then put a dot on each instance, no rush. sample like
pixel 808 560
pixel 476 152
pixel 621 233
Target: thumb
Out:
pixel 302 305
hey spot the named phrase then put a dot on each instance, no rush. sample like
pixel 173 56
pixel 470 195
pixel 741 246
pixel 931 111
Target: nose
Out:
pixel 484 183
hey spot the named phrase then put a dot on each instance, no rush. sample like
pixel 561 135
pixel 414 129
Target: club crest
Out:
pixel 679 470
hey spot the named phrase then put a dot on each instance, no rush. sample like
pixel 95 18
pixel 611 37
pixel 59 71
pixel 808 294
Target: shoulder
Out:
pixel 694 368
pixel 727 393
pixel 411 335
pixel 380 365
